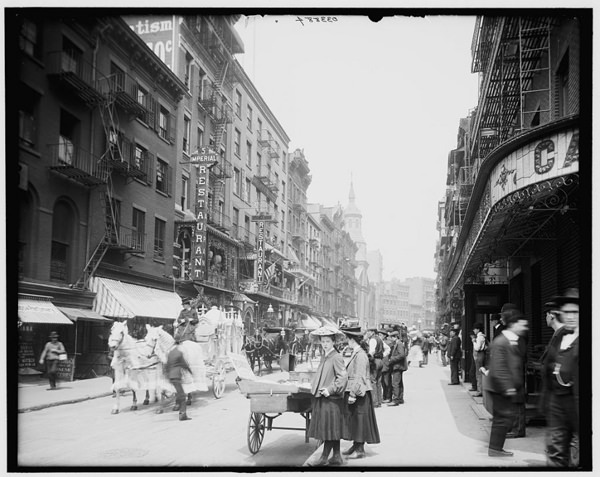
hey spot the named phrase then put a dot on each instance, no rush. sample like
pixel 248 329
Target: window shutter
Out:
pixel 169 181
pixel 156 115
pixel 150 162
pixel 151 114
pixel 171 127
pixel 126 155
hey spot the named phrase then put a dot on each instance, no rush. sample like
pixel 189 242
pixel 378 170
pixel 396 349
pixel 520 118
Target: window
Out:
pixel 283 191
pixel 258 162
pixel 62 233
pixel 247 228
pixel 159 238
pixel 249 117
pixel 238 104
pixel 248 188
pixel 237 183
pixel 28 117
pixel 188 71
pixel 29 38
pixel 71 57
pixel 163 124
pixel 141 155
pixel 283 220
pixel 284 162
pixel 162 177
pixel 249 154
pixel 185 183
pixel 259 127
pixel 187 130
pixel 138 225
pixel 236 144
pixel 235 222
pixel 117 77
pixel 66 140
pixel 199 138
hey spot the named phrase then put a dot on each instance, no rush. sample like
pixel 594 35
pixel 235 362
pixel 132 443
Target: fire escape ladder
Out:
pixel 92 264
pixel 110 123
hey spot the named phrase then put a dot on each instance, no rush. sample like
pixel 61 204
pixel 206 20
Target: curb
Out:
pixel 60 403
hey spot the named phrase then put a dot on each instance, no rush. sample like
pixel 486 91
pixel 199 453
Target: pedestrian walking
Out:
pixel 480 344
pixel 415 353
pixel 398 365
pixel 443 346
pixel 505 383
pixel 174 368
pixel 454 355
pixel 560 368
pixel 376 351
pixel 426 348
pixel 360 420
pixel 54 351
pixel 327 387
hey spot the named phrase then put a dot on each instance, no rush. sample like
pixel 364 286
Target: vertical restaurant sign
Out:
pixel 260 256
pixel 157 32
pixel 204 158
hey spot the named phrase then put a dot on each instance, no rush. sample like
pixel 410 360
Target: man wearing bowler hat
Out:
pixel 560 370
pixel 376 351
pixel 398 365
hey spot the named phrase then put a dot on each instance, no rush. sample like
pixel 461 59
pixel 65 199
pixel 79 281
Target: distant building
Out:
pixel 375 270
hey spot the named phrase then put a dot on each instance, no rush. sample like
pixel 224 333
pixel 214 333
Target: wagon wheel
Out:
pixel 256 431
pixel 219 379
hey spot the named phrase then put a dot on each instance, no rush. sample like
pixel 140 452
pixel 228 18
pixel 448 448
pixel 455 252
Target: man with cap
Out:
pixel 174 368
pixel 506 381
pixel 398 365
pixel 376 351
pixel 51 354
pixel 185 326
pixel 496 324
pixel 454 355
pixel 560 371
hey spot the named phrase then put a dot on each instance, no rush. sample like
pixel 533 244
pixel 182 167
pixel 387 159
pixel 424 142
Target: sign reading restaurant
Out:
pixel 260 253
pixel 545 159
pixel 204 158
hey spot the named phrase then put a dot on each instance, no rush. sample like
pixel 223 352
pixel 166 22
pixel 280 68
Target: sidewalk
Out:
pixel 34 395
pixel 440 426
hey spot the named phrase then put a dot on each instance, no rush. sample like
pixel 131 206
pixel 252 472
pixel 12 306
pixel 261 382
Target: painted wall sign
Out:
pixel 198 267
pixel 260 246
pixel 547 158
pixel 157 32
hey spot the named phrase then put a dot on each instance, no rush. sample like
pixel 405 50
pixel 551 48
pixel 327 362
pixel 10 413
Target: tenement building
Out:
pixel 510 224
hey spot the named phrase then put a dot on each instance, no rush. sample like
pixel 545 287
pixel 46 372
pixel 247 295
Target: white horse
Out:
pixel 162 343
pixel 134 366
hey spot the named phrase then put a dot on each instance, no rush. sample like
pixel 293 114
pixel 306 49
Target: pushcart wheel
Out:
pixel 219 380
pixel 256 431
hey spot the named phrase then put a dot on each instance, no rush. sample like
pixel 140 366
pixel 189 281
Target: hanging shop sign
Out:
pixel 544 159
pixel 203 160
pixel 260 246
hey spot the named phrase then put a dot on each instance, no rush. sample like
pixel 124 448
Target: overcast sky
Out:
pixel 378 101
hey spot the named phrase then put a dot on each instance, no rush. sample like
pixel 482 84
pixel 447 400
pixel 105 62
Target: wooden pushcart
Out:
pixel 269 400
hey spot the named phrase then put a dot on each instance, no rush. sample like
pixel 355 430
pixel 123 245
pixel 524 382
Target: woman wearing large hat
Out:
pixel 327 387
pixel 361 423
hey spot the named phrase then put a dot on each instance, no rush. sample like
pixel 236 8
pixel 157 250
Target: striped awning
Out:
pixel 309 322
pixel 76 314
pixel 31 310
pixel 125 300
pixel 243 298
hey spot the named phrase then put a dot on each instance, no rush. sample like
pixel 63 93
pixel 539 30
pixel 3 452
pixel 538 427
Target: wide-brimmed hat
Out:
pixel 509 308
pixel 394 333
pixel 186 301
pixel 383 332
pixel 53 334
pixel 571 295
pixel 551 305
pixel 335 333
pixel 353 332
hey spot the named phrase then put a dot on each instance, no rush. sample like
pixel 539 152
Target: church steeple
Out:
pixel 351 196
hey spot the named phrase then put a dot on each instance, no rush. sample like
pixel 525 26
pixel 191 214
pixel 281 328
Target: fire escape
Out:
pixel 513 55
pixel 119 91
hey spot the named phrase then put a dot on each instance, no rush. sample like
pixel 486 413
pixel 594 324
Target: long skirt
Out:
pixel 360 420
pixel 415 354
pixel 327 419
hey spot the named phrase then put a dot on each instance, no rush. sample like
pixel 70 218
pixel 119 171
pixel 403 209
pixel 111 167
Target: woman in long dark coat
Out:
pixel 361 423
pixel 329 382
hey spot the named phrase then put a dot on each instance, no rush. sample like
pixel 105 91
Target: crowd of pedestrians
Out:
pixel 345 396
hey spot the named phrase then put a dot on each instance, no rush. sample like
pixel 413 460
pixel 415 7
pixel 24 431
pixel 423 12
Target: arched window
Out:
pixel 62 242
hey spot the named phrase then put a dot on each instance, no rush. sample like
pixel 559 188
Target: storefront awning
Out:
pixel 309 322
pixel 76 314
pixel 240 297
pixel 124 300
pixel 31 310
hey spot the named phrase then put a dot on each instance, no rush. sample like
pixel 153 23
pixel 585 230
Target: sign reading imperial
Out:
pixel 204 159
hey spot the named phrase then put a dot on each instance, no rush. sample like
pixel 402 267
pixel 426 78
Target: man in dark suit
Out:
pixel 454 356
pixel 506 381
pixel 397 363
